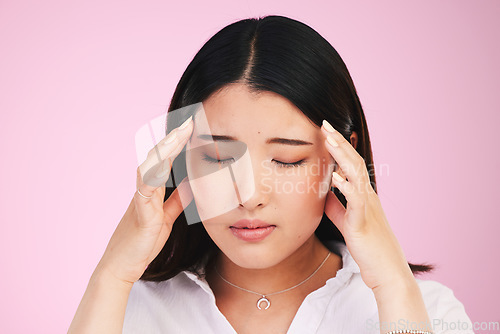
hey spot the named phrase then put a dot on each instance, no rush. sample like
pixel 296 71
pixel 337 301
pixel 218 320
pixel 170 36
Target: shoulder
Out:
pixel 145 299
pixel 149 290
pixel 172 306
pixel 145 291
pixel 445 311
pixel 149 306
pixel 441 303
pixel 175 290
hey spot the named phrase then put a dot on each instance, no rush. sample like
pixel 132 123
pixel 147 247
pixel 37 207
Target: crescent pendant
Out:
pixel 263 299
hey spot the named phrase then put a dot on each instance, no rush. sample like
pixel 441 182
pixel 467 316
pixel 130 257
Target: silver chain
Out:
pixel 275 293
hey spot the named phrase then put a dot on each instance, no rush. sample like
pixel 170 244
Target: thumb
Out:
pixel 180 198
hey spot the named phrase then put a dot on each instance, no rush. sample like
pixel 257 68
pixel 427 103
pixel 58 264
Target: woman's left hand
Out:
pixel 363 223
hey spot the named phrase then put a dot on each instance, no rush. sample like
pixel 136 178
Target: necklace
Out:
pixel 264 298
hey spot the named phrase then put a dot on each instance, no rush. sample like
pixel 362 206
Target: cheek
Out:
pixel 214 194
pixel 323 176
pixel 301 214
pixel 219 188
pixel 212 187
pixel 300 200
pixel 220 235
pixel 213 228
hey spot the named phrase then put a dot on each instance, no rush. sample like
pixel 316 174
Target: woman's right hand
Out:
pixel 147 223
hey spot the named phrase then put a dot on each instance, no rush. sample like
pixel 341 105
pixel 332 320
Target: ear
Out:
pixel 354 142
pixel 354 139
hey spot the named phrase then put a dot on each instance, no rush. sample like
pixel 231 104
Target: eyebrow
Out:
pixel 275 140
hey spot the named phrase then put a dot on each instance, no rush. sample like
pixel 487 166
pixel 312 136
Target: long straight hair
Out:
pixel 280 55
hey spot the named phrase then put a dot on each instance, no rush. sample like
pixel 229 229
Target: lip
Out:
pixel 252 230
pixel 254 223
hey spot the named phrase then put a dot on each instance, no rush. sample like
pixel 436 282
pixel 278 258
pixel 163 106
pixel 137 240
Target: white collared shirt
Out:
pixel 186 304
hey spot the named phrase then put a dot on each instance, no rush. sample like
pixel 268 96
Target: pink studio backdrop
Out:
pixel 79 78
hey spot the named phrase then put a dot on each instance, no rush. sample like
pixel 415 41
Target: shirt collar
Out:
pixel 349 267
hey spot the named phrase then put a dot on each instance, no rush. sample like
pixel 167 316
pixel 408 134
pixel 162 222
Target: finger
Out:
pixel 177 136
pixel 346 165
pixel 334 210
pixel 155 170
pixel 348 159
pixel 172 208
pixel 355 203
pixel 352 196
pixel 170 146
pixel 328 129
pixel 180 198
pixel 144 192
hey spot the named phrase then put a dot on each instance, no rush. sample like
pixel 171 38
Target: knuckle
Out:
pixel 151 152
pixel 349 188
pixel 342 142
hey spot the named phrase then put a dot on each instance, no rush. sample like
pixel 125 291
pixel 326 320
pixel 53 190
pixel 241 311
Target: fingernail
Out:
pixel 337 177
pixel 332 141
pixel 185 124
pixel 328 127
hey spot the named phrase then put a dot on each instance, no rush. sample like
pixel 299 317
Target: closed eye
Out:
pixel 279 163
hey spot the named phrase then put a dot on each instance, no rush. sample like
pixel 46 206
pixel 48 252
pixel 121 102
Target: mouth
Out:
pixel 250 224
pixel 252 230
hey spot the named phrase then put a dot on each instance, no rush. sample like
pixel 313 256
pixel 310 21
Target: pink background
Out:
pixel 78 79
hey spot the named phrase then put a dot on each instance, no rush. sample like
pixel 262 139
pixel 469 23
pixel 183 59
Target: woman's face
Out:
pixel 280 182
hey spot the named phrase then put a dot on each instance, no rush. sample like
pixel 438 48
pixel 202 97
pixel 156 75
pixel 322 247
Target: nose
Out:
pixel 261 179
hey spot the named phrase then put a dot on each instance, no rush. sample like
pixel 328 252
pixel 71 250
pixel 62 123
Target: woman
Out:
pixel 283 255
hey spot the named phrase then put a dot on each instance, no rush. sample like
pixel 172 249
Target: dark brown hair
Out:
pixel 271 53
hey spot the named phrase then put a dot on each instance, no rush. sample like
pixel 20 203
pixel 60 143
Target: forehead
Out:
pixel 234 109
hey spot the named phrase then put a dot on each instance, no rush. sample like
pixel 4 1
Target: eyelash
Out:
pixel 279 163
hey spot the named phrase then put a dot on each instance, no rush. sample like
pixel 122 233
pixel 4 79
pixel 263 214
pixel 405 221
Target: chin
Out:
pixel 256 264
pixel 255 256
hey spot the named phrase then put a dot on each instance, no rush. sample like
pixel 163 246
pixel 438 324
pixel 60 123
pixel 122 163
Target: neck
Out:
pixel 289 272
